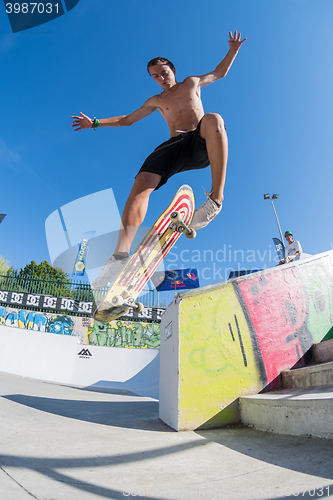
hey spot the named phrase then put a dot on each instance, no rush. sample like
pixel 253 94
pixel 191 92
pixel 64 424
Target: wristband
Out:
pixel 95 123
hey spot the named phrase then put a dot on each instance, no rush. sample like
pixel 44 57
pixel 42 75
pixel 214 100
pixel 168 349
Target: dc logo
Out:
pixel 24 15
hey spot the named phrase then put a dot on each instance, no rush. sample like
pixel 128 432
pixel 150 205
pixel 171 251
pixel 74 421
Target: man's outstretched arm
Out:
pixel 83 121
pixel 222 69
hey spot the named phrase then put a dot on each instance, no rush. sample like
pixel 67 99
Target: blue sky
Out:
pixel 276 102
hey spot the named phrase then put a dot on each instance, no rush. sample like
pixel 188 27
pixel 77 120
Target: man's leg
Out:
pixel 212 129
pixel 133 215
pixel 135 210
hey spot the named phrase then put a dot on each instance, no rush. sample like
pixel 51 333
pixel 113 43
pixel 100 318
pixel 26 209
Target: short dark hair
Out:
pixel 159 60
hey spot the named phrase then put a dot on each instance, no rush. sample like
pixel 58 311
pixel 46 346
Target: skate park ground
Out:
pixel 68 442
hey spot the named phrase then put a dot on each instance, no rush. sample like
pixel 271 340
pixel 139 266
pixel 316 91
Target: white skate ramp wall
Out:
pixel 62 359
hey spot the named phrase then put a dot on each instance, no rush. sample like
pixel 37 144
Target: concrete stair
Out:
pixel 308 376
pixel 304 404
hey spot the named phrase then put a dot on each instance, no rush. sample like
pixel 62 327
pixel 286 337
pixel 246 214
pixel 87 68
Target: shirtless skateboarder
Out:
pixel 196 140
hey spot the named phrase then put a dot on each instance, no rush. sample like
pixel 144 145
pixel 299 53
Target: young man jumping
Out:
pixel 196 140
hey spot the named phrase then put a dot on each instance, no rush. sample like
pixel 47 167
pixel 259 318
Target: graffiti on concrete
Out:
pixel 113 334
pixel 125 334
pixel 280 297
pixel 41 322
pixel 285 312
pixel 288 310
pixel 216 357
pixel 255 327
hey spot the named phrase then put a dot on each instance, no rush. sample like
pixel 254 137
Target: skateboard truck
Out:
pixel 118 301
pixel 179 226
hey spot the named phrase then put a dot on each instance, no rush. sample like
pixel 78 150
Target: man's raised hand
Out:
pixel 81 122
pixel 235 41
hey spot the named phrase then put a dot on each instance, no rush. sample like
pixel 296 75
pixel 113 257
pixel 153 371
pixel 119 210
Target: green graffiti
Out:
pixel 317 278
pixel 132 335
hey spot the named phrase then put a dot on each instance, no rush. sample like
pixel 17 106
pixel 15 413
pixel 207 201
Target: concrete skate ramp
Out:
pixel 60 358
pixel 234 338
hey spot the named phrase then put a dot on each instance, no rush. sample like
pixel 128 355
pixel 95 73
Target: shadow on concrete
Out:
pixel 128 414
pixel 145 383
pixel 313 456
pixel 58 469
pixel 228 416
pixel 99 389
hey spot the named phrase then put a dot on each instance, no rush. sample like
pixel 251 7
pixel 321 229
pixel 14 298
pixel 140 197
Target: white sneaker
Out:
pixel 205 213
pixel 109 273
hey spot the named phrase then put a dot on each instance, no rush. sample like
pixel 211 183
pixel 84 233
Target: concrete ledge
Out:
pixel 234 338
pixel 308 376
pixel 323 351
pixel 307 412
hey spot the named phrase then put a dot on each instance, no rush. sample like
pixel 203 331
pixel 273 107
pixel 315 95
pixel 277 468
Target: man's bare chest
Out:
pixel 181 100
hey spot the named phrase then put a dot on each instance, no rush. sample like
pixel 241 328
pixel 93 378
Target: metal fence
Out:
pixel 78 290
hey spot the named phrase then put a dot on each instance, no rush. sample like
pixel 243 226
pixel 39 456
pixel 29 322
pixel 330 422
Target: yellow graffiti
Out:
pixel 217 364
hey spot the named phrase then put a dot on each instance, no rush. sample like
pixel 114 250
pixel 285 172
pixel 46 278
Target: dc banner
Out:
pixel 148 314
pixel 279 248
pixel 81 258
pixel 177 279
pixel 24 15
pixel 68 305
pixel 21 299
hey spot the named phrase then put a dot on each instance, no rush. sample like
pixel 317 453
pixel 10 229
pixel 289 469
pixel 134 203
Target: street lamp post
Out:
pixel 275 197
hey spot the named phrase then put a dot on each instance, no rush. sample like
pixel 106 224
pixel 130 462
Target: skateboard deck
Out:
pixel 147 257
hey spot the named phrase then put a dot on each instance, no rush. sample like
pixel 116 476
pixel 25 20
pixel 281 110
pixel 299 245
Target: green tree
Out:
pixel 43 278
pixel 44 271
pixel 4 266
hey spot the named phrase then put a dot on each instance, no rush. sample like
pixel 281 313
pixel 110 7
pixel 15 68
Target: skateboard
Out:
pixel 147 257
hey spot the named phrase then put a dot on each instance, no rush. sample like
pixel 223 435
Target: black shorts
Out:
pixel 186 151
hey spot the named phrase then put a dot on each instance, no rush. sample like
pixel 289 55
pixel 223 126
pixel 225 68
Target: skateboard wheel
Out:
pixel 191 234
pixel 117 300
pixel 138 308
pixel 176 217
